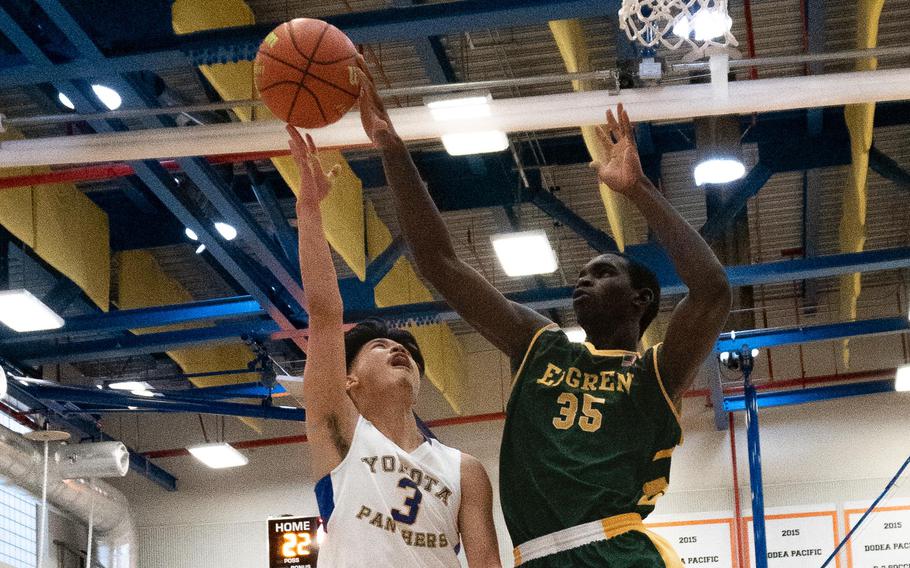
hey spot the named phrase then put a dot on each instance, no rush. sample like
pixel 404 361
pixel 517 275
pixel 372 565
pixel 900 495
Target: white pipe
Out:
pixel 518 114
pixel 21 463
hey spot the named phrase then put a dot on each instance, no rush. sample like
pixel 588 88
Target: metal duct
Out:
pixel 678 102
pixel 21 463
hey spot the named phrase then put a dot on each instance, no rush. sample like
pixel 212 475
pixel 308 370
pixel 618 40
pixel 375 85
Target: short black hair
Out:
pixel 375 328
pixel 643 277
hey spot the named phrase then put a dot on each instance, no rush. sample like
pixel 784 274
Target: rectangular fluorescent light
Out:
pixel 524 253
pixel 218 456
pixel 21 311
pixel 902 379
pixel 130 386
pixel 576 334
pixel 465 143
pixel 447 108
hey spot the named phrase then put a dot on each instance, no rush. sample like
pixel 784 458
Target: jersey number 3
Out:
pixel 590 418
pixel 412 502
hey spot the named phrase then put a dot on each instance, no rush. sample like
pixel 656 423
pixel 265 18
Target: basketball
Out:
pixel 303 72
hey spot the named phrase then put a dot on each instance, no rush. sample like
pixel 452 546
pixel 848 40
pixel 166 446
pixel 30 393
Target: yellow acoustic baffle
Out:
pixel 441 349
pixel 142 284
pixel 343 210
pixel 63 227
pixel 573 48
pixel 570 39
pixel 859 119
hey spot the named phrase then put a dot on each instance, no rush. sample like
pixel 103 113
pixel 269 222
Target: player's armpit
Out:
pixel 475 518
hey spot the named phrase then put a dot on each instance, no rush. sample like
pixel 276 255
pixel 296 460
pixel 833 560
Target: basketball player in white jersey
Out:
pixel 389 495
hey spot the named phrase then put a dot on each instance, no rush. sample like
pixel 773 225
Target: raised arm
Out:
pixel 699 317
pixel 331 415
pixel 475 517
pixel 506 324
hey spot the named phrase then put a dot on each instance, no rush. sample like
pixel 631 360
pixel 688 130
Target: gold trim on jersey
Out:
pixel 664 454
pixel 669 400
pixel 665 549
pixel 528 351
pixel 609 352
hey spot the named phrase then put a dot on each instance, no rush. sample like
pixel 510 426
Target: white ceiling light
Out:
pixel 191 234
pixel 218 456
pixel 65 101
pixel 465 143
pixel 755 353
pixel 524 253
pixel 467 106
pixel 719 171
pixel 199 249
pixel 718 150
pixel 576 334
pixel 227 231
pixel 108 96
pixel 2 381
pixel 143 392
pixel 21 311
pixel 902 379
pixel 711 24
pixel 130 386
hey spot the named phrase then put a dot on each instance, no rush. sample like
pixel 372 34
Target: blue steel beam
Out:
pixel 264 191
pixel 225 392
pixel 88 428
pixel 552 206
pixel 241 44
pixel 735 198
pixel 106 398
pixel 783 271
pixel 384 261
pixel 888 168
pixel 759 338
pixel 768 399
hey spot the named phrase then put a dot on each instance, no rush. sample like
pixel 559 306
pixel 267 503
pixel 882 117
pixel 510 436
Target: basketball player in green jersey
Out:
pixel 590 428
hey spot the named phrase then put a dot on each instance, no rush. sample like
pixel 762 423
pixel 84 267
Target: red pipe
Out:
pixel 460 420
pixel 750 35
pixel 113 171
pixel 737 509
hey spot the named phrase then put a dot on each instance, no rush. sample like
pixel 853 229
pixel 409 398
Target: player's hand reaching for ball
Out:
pixel 314 183
pixel 622 171
pixel 373 115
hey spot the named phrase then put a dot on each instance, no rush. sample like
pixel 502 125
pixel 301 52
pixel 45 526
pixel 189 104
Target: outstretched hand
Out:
pixel 314 183
pixel 373 114
pixel 622 171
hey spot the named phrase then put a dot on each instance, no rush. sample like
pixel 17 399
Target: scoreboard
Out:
pixel 293 542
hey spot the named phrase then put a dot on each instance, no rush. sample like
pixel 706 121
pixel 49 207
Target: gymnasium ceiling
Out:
pixel 491 199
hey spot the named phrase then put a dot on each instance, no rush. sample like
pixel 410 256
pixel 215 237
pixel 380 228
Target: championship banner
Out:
pixel 883 539
pixel 797 538
pixel 704 540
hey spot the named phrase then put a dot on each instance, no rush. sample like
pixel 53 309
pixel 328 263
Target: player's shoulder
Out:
pixel 472 470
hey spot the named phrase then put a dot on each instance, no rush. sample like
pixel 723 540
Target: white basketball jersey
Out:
pixel 386 507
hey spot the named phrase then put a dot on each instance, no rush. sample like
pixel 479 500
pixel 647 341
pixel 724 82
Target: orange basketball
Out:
pixel 304 73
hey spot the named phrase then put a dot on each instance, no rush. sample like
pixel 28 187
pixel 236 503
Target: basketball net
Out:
pixel 703 25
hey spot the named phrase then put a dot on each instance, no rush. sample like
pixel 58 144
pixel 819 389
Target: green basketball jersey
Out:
pixel 588 435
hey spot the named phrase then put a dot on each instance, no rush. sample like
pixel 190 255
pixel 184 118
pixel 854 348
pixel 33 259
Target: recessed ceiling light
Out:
pixel 902 379
pixel 218 456
pixel 524 253
pixel 720 170
pixel 227 231
pixel 21 311
pixel 65 101
pixel 108 96
pixel 199 249
pixel 191 234
pixel 129 385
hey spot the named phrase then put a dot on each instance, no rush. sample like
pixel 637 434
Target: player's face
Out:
pixel 384 366
pixel 603 292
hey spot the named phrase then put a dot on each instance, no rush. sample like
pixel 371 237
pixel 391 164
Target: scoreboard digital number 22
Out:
pixel 292 542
